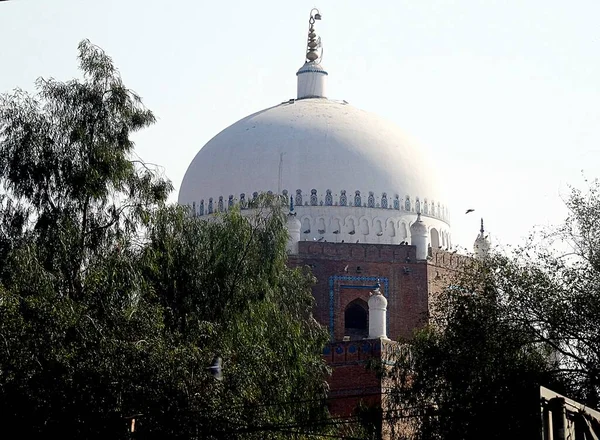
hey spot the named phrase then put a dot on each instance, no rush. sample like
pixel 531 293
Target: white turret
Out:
pixel 482 245
pixel 311 76
pixel 293 227
pixel 377 314
pixel 418 237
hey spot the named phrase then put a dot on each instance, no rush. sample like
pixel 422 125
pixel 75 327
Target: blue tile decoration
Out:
pixel 371 200
pixel 357 199
pixel 424 206
pixel 328 198
pixel 313 197
pixel 352 349
pixel 383 281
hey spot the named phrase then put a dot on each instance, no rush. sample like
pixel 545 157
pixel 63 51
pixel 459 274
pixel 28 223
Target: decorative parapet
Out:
pixel 345 198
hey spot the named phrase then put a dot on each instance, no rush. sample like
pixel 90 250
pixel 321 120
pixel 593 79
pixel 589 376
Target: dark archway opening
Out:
pixel 356 320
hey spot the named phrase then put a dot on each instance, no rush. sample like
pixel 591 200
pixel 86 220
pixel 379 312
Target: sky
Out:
pixel 504 95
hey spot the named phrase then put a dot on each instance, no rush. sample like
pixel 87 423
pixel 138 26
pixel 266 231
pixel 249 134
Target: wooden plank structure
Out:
pixel 563 418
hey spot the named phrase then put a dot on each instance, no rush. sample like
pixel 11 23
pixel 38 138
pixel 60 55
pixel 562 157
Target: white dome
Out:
pixel 418 227
pixel 314 144
pixel 353 176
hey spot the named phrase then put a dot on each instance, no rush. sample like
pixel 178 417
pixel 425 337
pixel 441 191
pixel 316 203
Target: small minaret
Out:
pixel 418 237
pixel 293 227
pixel 482 245
pixel 377 314
pixel 311 76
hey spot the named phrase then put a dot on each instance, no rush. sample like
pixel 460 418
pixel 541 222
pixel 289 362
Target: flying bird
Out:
pixel 352 232
pixel 336 232
pixel 469 210
pixel 321 231
pixel 379 234
pixel 321 239
pixel 307 231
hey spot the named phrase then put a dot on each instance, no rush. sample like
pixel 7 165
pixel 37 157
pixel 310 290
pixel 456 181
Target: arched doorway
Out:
pixel 435 239
pixel 356 320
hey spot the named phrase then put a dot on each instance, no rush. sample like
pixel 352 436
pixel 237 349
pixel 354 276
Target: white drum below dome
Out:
pixel 366 225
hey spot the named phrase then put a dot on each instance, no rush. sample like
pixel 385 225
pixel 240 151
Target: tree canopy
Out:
pixel 113 303
pixel 504 326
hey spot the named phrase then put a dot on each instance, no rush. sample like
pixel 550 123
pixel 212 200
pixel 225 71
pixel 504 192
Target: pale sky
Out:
pixel 504 94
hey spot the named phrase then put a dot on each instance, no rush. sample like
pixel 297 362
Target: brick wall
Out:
pixel 407 282
pixel 353 269
pixel 353 377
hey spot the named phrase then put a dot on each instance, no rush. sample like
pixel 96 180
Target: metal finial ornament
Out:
pixel 292 212
pixel 314 42
pixel 482 230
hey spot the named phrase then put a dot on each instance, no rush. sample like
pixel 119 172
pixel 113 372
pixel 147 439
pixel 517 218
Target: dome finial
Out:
pixel 314 42
pixel 292 212
pixel 311 76
pixel 482 244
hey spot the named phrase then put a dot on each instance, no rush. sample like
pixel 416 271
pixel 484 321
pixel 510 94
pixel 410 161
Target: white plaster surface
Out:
pixel 377 316
pixel 323 145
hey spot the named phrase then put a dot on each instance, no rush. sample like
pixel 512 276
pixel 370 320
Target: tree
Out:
pixel 226 284
pixel 503 327
pixel 556 291
pixel 112 304
pixel 473 372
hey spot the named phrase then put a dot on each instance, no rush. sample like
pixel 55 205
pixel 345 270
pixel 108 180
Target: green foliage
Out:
pixel 469 369
pixel 225 284
pixel 112 305
pixel 505 326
